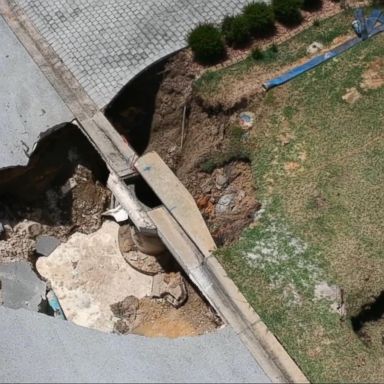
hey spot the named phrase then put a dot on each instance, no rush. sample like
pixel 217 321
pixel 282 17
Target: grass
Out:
pixel 235 148
pixel 214 84
pixel 318 165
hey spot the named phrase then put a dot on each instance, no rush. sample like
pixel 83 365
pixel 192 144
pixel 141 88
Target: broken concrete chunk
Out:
pixel 45 245
pixel 68 186
pixel 28 228
pixel 171 287
pixel 21 288
pixel 88 273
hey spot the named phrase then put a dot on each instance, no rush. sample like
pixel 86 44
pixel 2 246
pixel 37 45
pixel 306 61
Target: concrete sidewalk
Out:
pixel 37 348
pixel 29 105
pixel 106 43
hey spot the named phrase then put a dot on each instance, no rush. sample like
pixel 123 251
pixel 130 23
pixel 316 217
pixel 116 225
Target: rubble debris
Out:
pixel 88 273
pixel 46 244
pixel 221 178
pixel 28 228
pixel 225 203
pixel 21 288
pixel 171 287
pixel 125 311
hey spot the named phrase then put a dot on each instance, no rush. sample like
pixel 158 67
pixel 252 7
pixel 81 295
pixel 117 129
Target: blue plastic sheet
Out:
pixel 370 30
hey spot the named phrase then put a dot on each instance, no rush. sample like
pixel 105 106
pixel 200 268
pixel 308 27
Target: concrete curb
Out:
pixel 255 335
pixel 221 292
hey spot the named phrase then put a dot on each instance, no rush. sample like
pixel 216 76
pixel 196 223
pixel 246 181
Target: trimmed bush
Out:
pixel 288 11
pixel 312 5
pixel 235 30
pixel 257 54
pixel 207 44
pixel 260 17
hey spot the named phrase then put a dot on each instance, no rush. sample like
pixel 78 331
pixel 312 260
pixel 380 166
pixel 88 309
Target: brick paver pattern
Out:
pixel 106 43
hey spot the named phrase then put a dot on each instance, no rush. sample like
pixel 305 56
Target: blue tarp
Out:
pixel 370 31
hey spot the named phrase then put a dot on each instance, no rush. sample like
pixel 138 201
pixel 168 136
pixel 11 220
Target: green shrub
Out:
pixel 312 5
pixel 257 54
pixel 207 44
pixel 235 30
pixel 260 17
pixel 288 11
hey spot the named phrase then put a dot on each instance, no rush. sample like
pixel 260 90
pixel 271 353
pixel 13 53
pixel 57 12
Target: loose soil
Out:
pixel 157 318
pixel 204 133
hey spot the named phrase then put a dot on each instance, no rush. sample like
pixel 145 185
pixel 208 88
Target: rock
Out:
pixel 21 288
pixel 171 287
pixel 2 230
pixel 45 244
pixel 315 47
pixel 125 311
pixel 221 180
pixel 225 203
pixel 207 186
pixel 28 228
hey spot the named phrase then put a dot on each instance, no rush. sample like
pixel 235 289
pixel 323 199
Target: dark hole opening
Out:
pixel 369 312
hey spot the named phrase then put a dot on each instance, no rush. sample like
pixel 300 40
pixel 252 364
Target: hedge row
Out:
pixel 257 20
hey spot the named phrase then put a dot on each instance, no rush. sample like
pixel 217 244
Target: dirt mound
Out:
pixel 204 135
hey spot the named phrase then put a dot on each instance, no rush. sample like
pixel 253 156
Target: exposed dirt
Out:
pixel 204 134
pixel 351 96
pixel 157 318
pixel 58 190
pixel 373 77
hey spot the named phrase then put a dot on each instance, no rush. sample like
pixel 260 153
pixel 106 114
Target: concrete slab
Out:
pixel 58 351
pixel 176 199
pixel 105 44
pixel 45 245
pixel 88 273
pixel 20 286
pixel 29 105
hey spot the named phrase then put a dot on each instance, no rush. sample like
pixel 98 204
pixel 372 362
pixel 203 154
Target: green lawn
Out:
pixel 318 166
pixel 216 85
